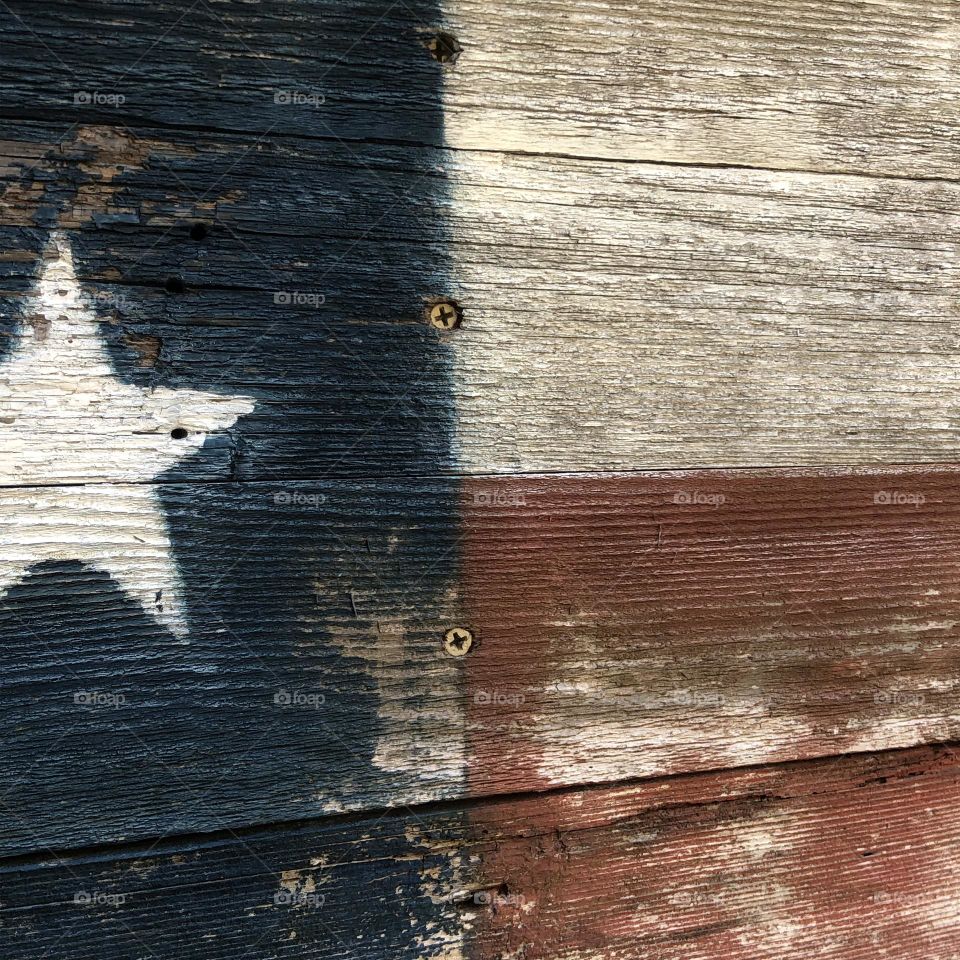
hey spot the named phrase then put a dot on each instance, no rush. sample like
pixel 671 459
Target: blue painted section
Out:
pixel 347 889
pixel 194 740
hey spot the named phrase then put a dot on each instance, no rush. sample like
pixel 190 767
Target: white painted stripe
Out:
pixel 633 316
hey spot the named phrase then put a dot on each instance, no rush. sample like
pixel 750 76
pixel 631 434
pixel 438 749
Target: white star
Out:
pixel 65 418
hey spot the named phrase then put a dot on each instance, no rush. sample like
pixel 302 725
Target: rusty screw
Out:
pixel 446 315
pixel 445 48
pixel 458 641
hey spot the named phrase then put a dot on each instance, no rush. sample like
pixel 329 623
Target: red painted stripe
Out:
pixel 661 623
pixel 849 858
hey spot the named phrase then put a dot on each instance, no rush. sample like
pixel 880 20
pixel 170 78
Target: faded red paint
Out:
pixel 851 858
pixel 804 588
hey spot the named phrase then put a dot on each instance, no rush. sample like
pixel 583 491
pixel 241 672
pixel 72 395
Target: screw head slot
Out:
pixel 445 315
pixel 444 47
pixel 458 641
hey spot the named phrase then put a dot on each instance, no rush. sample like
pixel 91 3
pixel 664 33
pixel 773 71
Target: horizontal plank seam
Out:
pixel 686 164
pixel 169 843
pixel 798 470
pixel 153 125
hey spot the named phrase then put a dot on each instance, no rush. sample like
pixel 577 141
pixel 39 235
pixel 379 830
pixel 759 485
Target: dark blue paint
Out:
pixel 360 388
pixel 348 886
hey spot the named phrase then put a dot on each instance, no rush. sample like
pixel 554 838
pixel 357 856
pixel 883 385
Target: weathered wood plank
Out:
pixel 644 317
pixel 626 316
pixel 321 328
pixel 704 620
pixel 846 858
pixel 620 634
pixel 849 858
pixel 329 69
pixel 834 85
pixel 309 676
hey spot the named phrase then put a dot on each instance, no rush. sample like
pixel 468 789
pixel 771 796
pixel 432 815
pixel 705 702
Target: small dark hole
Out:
pixel 175 284
pixel 178 433
pixel 198 232
pixel 445 47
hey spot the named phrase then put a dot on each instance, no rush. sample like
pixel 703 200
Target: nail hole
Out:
pixel 175 284
pixel 178 433
pixel 199 232
pixel 445 47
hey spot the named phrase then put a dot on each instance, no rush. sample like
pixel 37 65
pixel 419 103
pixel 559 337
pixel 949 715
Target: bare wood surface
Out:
pixel 633 316
pixel 832 86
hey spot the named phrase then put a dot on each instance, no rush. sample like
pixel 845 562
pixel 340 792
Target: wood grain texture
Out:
pixel 323 321
pixel 326 70
pixel 843 85
pixel 847 858
pixel 217 697
pixel 836 85
pixel 310 678
pixel 663 623
pixel 621 634
pixel 617 316
pixel 629 316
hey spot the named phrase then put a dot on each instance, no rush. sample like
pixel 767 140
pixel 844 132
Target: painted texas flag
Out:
pixel 443 514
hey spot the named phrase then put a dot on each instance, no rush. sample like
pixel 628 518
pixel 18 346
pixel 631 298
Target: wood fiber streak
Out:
pixel 850 858
pixel 663 623
pixel 836 85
